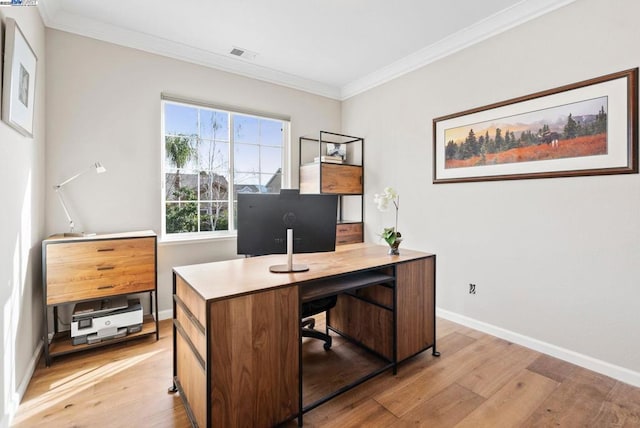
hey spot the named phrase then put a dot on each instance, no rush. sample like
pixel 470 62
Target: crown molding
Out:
pixel 61 20
pixel 47 10
pixel 500 22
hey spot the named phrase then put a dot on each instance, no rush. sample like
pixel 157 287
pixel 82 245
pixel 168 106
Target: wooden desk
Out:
pixel 237 326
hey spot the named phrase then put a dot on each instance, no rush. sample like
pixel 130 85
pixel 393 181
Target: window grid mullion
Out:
pixel 198 135
pixel 197 168
pixel 232 176
pixel 260 152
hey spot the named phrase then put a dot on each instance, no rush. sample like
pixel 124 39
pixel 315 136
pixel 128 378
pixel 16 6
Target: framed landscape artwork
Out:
pixel 587 128
pixel 18 92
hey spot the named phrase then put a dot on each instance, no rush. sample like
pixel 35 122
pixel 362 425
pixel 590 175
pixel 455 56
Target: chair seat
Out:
pixel 315 307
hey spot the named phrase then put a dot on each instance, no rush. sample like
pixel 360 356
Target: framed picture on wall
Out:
pixel 586 128
pixel 19 80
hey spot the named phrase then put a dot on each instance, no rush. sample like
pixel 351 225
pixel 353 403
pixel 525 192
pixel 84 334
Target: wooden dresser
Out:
pixel 79 269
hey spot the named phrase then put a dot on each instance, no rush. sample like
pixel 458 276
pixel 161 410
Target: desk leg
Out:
pixel 395 321
pixel 174 388
pixel 300 368
pixel 434 352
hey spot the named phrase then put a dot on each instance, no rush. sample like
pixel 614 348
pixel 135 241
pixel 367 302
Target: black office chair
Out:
pixel 309 309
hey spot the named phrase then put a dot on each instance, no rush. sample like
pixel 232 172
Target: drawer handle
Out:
pixel 104 287
pixel 106 267
pixel 105 249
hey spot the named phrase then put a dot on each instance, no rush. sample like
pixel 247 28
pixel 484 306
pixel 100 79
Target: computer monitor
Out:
pixel 267 222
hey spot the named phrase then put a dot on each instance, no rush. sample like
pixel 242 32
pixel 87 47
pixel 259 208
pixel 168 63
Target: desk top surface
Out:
pixel 230 278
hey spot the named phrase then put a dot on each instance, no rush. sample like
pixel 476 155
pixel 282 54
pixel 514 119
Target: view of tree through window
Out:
pixel 209 157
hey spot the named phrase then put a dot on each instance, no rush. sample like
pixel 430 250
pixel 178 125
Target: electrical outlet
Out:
pixel 472 289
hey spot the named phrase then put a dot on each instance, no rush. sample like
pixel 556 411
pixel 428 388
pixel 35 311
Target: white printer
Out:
pixel 105 319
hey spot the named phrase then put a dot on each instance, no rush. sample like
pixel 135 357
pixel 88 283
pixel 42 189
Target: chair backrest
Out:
pixel 319 305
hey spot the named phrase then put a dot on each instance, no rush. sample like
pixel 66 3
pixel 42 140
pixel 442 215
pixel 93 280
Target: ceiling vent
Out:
pixel 243 53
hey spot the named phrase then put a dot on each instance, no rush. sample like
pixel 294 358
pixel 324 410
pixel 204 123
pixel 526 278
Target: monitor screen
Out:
pixel 263 220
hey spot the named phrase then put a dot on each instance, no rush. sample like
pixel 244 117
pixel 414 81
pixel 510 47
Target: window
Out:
pixel 209 156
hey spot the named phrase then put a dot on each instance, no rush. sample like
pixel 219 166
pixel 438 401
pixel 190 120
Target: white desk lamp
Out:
pixel 58 187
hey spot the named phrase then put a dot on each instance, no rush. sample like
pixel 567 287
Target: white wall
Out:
pixel 103 103
pixel 556 261
pixel 21 231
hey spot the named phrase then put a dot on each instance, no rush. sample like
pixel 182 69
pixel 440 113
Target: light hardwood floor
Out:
pixel 479 381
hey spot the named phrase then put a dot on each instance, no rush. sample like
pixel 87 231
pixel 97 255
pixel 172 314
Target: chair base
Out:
pixel 308 325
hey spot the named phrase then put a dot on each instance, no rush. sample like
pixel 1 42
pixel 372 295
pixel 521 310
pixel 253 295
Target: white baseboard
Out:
pixel 24 383
pixel 165 315
pixel 619 373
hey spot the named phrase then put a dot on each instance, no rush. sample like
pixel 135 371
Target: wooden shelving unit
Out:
pixel 345 179
pixel 80 269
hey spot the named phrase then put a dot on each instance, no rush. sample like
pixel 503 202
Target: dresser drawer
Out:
pixel 192 328
pixel 99 251
pixel 88 270
pixel 341 179
pixel 331 178
pixel 95 288
pixel 97 269
pixel 191 300
pixel 193 379
pixel 348 233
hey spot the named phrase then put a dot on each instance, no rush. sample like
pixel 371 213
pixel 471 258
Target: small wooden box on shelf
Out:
pixel 80 269
pixel 333 164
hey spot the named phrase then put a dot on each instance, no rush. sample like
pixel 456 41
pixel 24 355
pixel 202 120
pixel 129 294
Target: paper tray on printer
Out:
pixel 96 307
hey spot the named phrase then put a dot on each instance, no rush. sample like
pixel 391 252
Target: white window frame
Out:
pixel 217 234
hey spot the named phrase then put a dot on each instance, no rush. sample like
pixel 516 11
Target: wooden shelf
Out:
pixel 61 342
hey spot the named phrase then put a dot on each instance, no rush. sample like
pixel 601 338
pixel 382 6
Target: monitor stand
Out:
pixel 289 267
